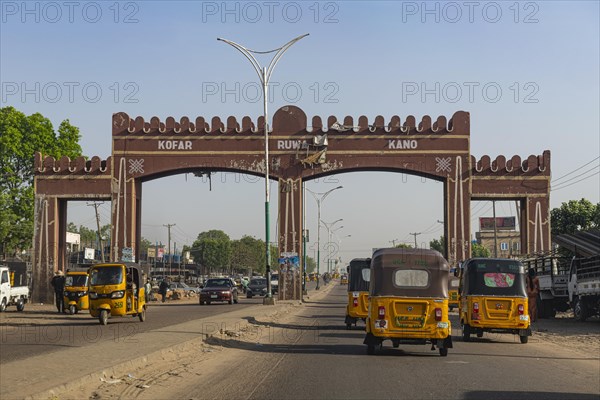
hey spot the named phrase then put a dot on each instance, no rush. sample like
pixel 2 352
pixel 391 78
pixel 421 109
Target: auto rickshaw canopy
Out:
pixel 104 273
pixel 359 271
pixel 409 273
pixel 493 277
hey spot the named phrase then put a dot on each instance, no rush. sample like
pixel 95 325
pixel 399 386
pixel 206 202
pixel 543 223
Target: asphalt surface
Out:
pixel 40 330
pixel 305 354
pixel 313 356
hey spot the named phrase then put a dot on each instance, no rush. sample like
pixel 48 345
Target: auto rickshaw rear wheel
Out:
pixel 72 309
pixel 466 332
pixel 103 317
pixel 443 351
pixel 524 339
pixel 20 305
pixel 479 334
pixel 348 326
pixel 142 316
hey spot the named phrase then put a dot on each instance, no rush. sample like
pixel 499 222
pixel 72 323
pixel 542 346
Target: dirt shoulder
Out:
pixel 564 330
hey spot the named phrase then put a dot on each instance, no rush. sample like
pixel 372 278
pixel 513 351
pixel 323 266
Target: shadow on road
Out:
pixel 502 395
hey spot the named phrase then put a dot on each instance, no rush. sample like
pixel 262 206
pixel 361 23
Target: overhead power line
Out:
pixel 575 170
pixel 572 183
pixel 577 176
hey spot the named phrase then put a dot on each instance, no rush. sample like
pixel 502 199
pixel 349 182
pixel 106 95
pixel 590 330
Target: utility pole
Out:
pixel 169 244
pixel 95 205
pixel 415 235
pixel 393 242
pixel 495 230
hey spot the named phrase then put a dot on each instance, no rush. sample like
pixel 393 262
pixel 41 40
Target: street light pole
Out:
pixel 264 74
pixel 319 200
pixel 328 227
pixel 304 230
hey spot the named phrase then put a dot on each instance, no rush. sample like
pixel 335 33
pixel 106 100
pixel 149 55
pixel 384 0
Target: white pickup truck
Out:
pixel 9 295
pixel 553 275
pixel 584 287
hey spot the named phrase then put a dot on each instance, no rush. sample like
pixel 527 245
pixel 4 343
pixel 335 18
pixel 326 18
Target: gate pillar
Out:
pixel 126 214
pixel 535 225
pixel 457 207
pixel 49 211
pixel 289 239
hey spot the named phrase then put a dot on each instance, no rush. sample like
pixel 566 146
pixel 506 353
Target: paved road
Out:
pixel 314 357
pixel 40 330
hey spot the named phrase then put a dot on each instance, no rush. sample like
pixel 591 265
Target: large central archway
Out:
pixel 301 151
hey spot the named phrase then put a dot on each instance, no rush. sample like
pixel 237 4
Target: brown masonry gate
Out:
pixel 145 150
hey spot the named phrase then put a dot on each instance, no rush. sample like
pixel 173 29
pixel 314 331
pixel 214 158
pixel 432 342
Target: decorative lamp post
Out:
pixel 264 75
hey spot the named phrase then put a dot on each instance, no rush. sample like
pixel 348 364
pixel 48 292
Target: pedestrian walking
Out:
pixel 58 283
pixel 162 289
pixel 148 290
pixel 533 290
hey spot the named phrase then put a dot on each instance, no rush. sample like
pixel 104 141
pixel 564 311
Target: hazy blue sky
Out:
pixel 538 63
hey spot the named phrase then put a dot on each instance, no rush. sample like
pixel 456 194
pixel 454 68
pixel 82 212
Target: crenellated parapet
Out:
pixel 501 166
pixel 457 125
pixel 123 124
pixel 48 165
pixel 291 120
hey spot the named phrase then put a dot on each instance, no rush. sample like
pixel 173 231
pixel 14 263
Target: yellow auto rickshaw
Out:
pixel 453 283
pixel 493 298
pixel 75 295
pixel 408 301
pixel 344 279
pixel 359 273
pixel 116 289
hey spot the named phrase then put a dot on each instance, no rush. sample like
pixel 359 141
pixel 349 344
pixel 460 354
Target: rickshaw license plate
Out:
pixel 442 325
pixel 524 317
pixel 213 296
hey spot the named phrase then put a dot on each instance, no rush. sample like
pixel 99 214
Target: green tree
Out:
pixel 574 216
pixel 20 137
pixel 144 245
pixel 404 246
pixel 311 265
pixel 89 237
pixel 247 253
pixel 478 250
pixel 439 245
pixel 212 249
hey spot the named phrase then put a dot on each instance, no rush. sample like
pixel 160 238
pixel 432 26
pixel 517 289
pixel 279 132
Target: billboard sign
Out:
pixel 502 223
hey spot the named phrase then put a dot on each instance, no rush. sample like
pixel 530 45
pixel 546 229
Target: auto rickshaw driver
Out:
pixel 131 294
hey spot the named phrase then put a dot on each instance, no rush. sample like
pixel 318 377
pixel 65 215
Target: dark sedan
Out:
pixel 256 287
pixel 218 289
